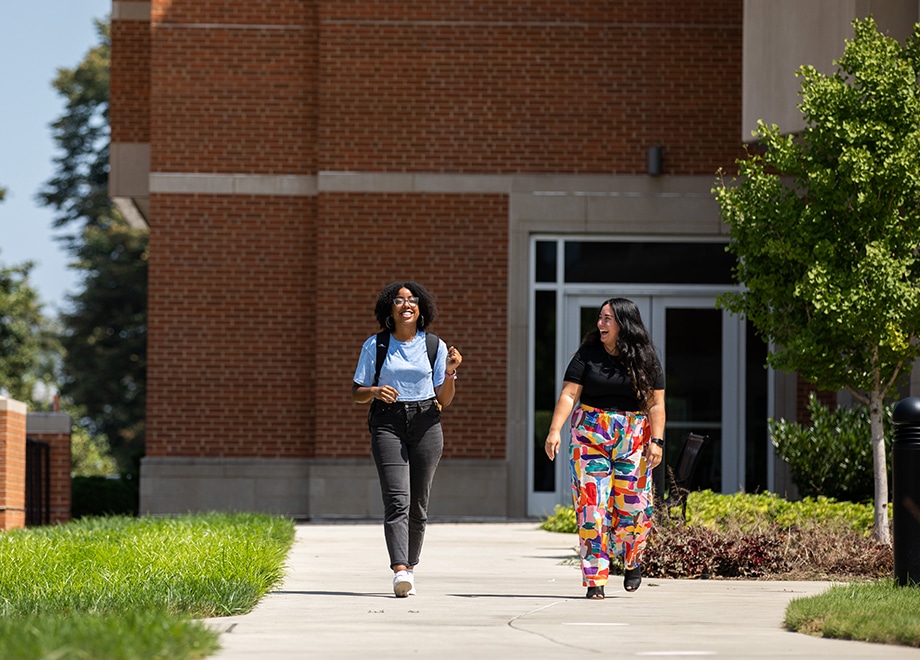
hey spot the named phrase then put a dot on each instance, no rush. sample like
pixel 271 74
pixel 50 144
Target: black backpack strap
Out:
pixel 432 342
pixel 383 342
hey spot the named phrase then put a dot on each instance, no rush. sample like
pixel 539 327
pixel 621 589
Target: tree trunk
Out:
pixel 876 410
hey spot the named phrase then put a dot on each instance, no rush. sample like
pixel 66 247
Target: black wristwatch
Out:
pixel 657 441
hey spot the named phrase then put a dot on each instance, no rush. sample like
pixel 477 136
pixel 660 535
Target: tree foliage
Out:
pixel 105 339
pixel 27 341
pixel 104 328
pixel 79 188
pixel 826 225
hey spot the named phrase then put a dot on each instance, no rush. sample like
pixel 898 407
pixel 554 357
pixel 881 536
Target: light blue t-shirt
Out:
pixel 406 368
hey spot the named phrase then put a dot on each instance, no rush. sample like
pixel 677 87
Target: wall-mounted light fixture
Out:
pixel 653 166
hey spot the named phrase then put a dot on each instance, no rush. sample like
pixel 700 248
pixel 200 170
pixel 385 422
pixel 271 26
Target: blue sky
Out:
pixel 36 39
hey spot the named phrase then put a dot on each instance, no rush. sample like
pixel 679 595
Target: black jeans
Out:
pixel 406 441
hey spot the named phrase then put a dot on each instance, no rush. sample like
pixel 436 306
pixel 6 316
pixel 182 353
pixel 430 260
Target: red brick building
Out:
pixel 524 159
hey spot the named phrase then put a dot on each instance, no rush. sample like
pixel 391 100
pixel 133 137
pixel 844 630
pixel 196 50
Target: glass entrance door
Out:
pixel 697 344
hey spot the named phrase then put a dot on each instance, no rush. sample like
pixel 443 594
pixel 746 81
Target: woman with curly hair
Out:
pixel 617 433
pixel 406 391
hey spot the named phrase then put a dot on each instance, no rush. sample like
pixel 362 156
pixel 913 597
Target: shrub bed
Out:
pixel 758 537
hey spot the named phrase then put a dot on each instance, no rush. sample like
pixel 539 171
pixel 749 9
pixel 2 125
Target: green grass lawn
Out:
pixel 117 587
pixel 879 611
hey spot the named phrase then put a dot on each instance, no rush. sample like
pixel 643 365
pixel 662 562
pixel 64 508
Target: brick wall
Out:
pixel 232 300
pixel 233 87
pixel 245 341
pixel 533 86
pixel 61 469
pixel 12 464
pixel 233 12
pixel 129 82
pixel 454 245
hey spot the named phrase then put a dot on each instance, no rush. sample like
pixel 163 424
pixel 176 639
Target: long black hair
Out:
pixel 635 351
pixel 427 308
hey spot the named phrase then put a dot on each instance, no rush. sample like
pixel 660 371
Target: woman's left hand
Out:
pixel 653 454
pixel 453 359
pixel 445 391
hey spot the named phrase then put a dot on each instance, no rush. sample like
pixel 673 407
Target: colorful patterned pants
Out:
pixel 611 485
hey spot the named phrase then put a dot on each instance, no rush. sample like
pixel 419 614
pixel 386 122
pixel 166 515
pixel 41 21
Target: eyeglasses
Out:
pixel 400 301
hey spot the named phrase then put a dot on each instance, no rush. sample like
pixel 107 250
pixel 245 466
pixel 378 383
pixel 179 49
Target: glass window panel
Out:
pixel 647 262
pixel 544 473
pixel 693 388
pixel 587 322
pixel 546 261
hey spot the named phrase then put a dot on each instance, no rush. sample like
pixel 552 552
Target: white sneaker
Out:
pixel 402 584
pixel 412 580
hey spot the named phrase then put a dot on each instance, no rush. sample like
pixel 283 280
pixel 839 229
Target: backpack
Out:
pixel 383 343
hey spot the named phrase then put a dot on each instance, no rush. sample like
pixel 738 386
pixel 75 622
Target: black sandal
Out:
pixel 595 593
pixel 632 578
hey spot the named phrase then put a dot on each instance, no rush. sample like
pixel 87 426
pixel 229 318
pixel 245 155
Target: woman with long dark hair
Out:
pixel 617 439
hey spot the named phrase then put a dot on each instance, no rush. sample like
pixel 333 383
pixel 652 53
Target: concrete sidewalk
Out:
pixel 490 590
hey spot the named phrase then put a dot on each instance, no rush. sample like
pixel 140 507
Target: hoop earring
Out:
pixel 421 321
pixel 389 323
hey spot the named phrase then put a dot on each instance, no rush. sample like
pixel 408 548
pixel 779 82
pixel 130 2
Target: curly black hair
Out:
pixel 635 350
pixel 427 308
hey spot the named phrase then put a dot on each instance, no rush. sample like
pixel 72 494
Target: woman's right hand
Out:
pixel 386 394
pixel 571 392
pixel 551 446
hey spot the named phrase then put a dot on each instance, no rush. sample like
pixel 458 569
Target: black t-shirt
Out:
pixel 604 380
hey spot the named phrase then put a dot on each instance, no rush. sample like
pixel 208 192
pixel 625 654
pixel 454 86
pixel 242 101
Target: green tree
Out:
pixel 90 453
pixel 79 189
pixel 105 339
pixel 27 343
pixel 826 226
pixel 104 329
